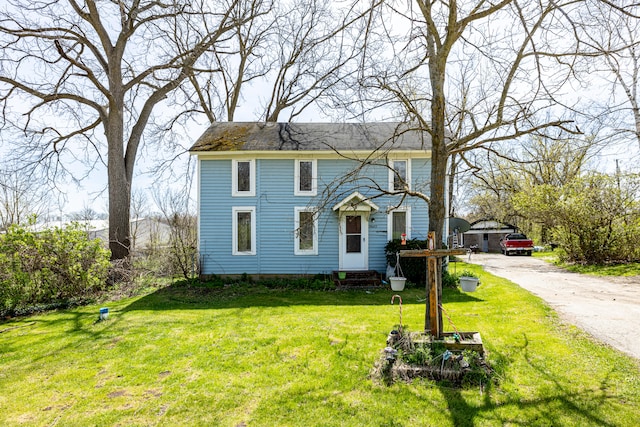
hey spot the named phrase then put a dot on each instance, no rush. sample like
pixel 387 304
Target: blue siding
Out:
pixel 275 204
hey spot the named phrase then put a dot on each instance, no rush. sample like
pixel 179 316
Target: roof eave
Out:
pixel 346 154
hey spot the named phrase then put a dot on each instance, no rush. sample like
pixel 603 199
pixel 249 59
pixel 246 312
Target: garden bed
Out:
pixel 457 358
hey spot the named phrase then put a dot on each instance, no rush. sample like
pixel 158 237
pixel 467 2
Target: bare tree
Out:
pixel 613 35
pixel 217 86
pixel 86 214
pixel 284 60
pixel 139 208
pixel 71 68
pixel 175 209
pixel 22 195
pixel 550 163
pixel 470 74
pixel 315 49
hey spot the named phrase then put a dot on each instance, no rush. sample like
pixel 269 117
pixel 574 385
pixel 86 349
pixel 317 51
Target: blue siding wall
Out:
pixel 275 204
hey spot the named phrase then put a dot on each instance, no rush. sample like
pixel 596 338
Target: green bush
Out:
pixel 450 280
pixel 414 269
pixel 52 267
pixel 594 219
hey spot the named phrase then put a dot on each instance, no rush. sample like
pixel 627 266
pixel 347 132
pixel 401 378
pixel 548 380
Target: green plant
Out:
pixel 414 269
pixel 593 218
pixel 467 273
pixel 478 373
pixel 245 278
pixel 449 280
pixel 51 267
pixel 437 349
pixel 421 355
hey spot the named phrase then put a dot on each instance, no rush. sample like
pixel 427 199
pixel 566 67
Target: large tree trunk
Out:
pixel 437 201
pixel 119 197
pixel 439 152
pixel 119 181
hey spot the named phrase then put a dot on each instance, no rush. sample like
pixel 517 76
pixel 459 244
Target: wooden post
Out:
pixel 433 315
pixel 433 321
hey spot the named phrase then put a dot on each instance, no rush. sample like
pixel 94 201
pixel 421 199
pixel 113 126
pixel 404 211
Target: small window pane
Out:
pixel 399 224
pixel 354 233
pixel 244 176
pixel 306 176
pixel 400 175
pixel 353 224
pixel 353 243
pixel 244 231
pixel 305 232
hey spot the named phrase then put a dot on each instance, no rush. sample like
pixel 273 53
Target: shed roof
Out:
pixel 258 136
pixel 490 226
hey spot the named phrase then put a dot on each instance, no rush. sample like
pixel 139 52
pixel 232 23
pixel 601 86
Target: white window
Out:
pixel 306 178
pixel 399 222
pixel 244 230
pixel 399 175
pixel 306 231
pixel 243 179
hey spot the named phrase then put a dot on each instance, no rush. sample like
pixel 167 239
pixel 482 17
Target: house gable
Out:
pixel 355 202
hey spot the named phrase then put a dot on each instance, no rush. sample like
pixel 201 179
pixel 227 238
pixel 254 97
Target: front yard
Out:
pixel 244 355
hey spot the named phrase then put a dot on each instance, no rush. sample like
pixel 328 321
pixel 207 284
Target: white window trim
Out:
pixel 296 244
pixel 234 237
pixel 252 179
pixel 314 178
pixel 406 209
pixel 392 173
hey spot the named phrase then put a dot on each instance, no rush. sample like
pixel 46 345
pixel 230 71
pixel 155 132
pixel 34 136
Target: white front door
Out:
pixel 354 241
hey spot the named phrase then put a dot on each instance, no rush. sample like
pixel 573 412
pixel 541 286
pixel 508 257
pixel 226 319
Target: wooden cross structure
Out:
pixel 433 315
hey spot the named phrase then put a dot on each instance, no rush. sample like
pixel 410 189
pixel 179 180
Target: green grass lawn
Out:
pixel 245 355
pixel 627 269
pixel 624 269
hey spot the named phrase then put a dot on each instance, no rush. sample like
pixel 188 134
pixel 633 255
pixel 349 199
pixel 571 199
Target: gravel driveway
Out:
pixel 608 308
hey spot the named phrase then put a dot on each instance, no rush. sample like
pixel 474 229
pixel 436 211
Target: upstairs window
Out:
pixel 305 178
pixel 399 175
pixel 243 180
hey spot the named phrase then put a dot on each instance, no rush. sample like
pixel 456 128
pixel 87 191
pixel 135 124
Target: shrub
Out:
pixel 52 267
pixel 450 280
pixel 593 219
pixel 171 249
pixel 414 269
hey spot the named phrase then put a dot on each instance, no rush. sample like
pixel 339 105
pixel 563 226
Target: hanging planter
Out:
pixel 469 283
pixel 397 281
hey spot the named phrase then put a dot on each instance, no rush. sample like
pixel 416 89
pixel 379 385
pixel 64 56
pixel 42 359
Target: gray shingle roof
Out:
pixel 254 136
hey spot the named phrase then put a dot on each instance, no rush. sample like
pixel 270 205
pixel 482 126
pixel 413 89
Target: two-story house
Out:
pixel 307 198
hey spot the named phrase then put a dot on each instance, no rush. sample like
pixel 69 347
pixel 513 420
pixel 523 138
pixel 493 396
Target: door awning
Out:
pixel 355 202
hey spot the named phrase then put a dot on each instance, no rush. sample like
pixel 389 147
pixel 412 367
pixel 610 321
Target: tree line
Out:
pixel 553 191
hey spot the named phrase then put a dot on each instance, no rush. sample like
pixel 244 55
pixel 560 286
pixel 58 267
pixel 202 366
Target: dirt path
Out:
pixel 607 308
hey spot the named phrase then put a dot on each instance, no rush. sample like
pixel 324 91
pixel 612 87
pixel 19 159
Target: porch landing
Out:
pixel 363 279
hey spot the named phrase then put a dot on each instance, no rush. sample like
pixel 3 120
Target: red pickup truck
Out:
pixel 516 243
